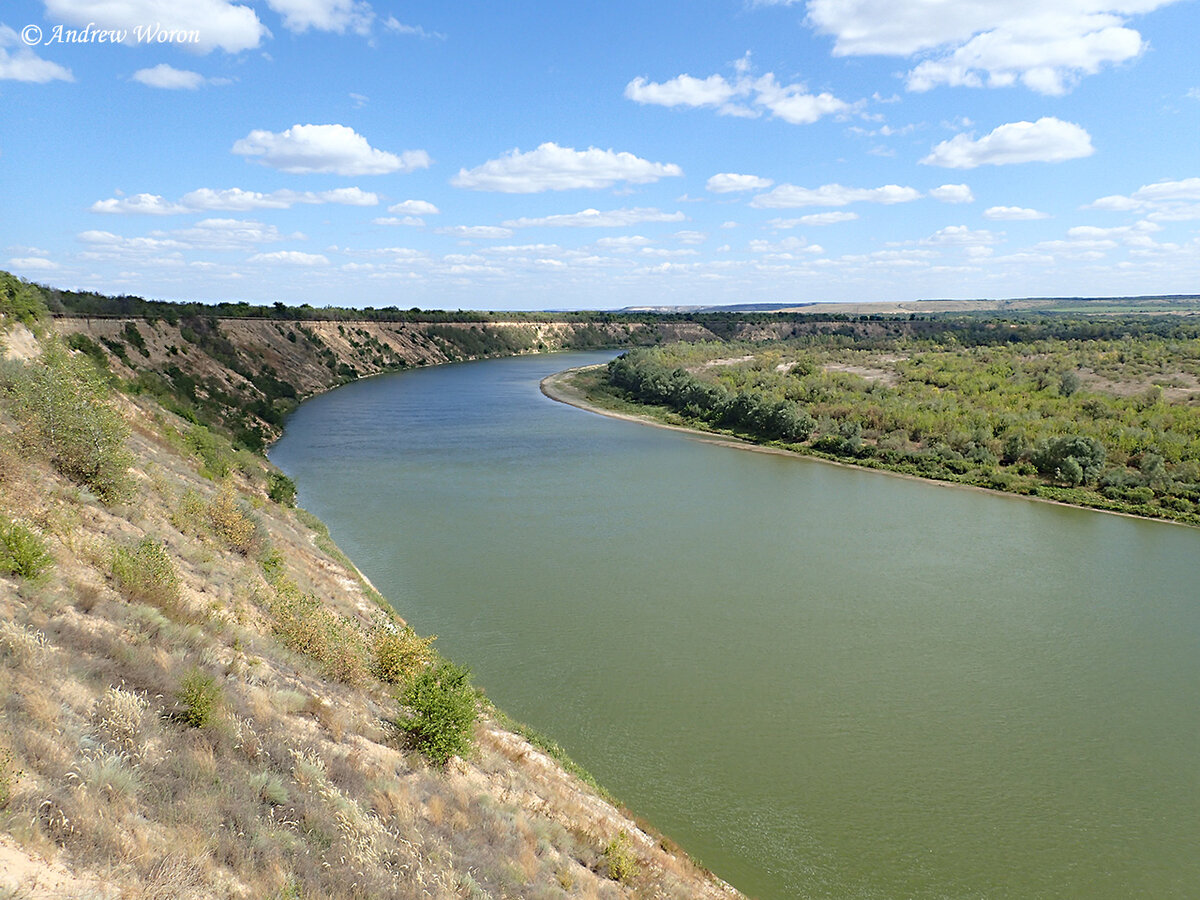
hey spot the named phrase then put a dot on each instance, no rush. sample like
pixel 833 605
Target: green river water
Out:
pixel 822 682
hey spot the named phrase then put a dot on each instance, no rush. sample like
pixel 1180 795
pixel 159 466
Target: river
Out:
pixel 823 682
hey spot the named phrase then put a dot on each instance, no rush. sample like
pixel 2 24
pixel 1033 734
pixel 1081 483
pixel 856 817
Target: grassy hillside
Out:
pixel 204 698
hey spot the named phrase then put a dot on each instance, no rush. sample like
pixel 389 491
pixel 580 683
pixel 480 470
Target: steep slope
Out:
pixel 204 698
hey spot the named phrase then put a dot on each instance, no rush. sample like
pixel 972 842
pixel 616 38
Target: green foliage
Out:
pixel 307 626
pixel 213 451
pixel 399 654
pixel 199 698
pixel 443 706
pixel 88 348
pixel 281 489
pixel 1071 459
pixel 145 573
pixel 620 860
pixel 65 413
pixel 22 552
pixel 20 300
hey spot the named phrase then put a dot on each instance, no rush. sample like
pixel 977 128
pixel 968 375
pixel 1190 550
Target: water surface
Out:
pixel 823 682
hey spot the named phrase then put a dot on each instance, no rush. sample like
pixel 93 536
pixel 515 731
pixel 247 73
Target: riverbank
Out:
pixel 572 388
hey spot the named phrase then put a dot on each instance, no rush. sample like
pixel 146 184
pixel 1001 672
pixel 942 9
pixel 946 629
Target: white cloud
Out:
pixel 625 242
pixel 785 249
pixel 169 78
pixel 414 208
pixel 33 263
pixel 1136 235
pixel 554 168
pixel 786 196
pixel 1013 214
pixel 594 218
pixel 1163 201
pixel 691 237
pixel 996 43
pixel 476 231
pixel 828 218
pixel 953 193
pixel 219 24
pixel 745 96
pixel 25 65
pixel 226 234
pixel 291 258
pixel 961 235
pixel 234 199
pixel 415 221
pixel 394 24
pixel 141 204
pixel 727 182
pixel 337 149
pixel 1046 140
pixel 324 15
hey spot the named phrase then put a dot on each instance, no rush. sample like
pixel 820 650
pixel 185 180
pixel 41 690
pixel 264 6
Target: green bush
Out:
pixel 443 705
pixel 22 552
pixel 281 489
pixel 199 697
pixel 399 653
pixel 305 625
pixel 620 860
pixel 145 573
pixel 62 404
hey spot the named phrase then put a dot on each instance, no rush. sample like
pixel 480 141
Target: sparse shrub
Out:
pixel 119 716
pixel 22 552
pixel 307 626
pixel 443 705
pixel 272 565
pixel 214 452
pixel 620 860
pixel 199 697
pixel 281 489
pixel 145 573
pixel 64 411
pixel 190 515
pixel 19 644
pixel 231 522
pixel 399 653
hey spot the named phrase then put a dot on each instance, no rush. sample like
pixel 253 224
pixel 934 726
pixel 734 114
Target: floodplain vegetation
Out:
pixel 203 698
pixel 1100 413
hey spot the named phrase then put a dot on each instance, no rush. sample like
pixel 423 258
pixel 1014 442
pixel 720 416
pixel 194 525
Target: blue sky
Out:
pixel 536 155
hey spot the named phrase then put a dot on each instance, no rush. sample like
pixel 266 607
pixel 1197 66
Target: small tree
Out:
pixel 443 705
pixel 1071 458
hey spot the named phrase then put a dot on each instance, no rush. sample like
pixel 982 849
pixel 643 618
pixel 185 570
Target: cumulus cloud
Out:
pixel 993 44
pixel 960 235
pixel 786 196
pixel 554 168
pixel 476 231
pixel 414 208
pixel 594 218
pixel 829 218
pixel 1046 140
pixel 1163 201
pixel 291 258
pixel 1013 214
pixel 728 182
pixel 233 199
pixel 336 149
pixel 415 221
pixel 324 15
pixel 218 24
pixel 169 78
pixel 744 96
pixel 24 64
pixel 32 263
pixel 953 193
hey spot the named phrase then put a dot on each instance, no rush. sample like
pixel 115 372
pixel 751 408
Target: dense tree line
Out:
pixel 1110 420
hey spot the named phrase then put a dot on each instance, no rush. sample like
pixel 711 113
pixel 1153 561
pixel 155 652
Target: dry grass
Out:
pixel 294 787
